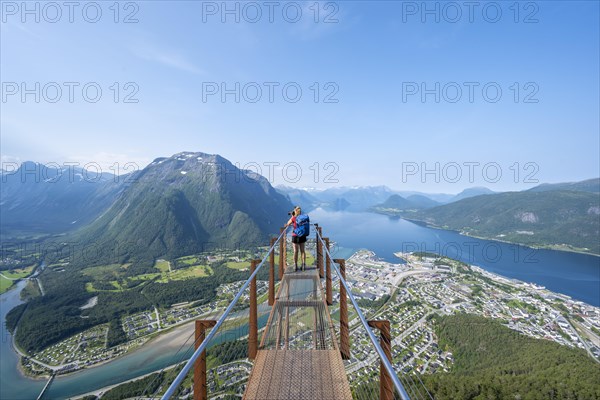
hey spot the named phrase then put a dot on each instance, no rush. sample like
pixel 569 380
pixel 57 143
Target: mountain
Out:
pixel 589 185
pixel 185 204
pixel 358 198
pixel 41 199
pixel 439 198
pixel 562 219
pixel 493 361
pixel 422 201
pixel 397 205
pixel 471 192
pixel 340 204
pixel 299 197
pixel 395 202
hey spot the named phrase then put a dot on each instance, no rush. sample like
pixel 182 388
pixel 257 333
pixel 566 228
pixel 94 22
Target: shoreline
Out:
pixel 529 246
pixel 511 281
pixel 105 389
pixel 171 337
pixel 24 374
pixel 156 336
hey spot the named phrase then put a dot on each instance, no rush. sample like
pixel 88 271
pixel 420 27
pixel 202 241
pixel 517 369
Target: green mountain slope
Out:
pixel 471 192
pixel 397 205
pixel 589 185
pixel 186 204
pixel 422 201
pixel 394 202
pixel 564 219
pixel 495 362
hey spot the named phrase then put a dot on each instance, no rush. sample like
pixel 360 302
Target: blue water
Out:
pixel 576 275
pixel 13 385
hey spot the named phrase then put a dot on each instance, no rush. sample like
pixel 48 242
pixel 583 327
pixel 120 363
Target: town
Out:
pixel 408 294
pixel 426 285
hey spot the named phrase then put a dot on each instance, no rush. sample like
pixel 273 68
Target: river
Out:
pixel 573 274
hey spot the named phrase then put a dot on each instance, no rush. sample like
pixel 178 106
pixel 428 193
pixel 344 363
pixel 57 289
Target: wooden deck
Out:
pixel 298 374
pixel 299 357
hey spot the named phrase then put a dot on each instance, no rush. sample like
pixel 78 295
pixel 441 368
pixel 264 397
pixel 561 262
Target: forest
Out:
pixel 495 362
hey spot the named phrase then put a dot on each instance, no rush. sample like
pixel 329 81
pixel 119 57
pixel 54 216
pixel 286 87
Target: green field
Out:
pixel 162 265
pixel 196 271
pixel 18 273
pixel 106 272
pixel 8 278
pixel 5 284
pixel 89 286
pixel 187 261
pixel 238 265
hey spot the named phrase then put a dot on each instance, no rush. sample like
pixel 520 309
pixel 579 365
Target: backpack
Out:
pixel 302 225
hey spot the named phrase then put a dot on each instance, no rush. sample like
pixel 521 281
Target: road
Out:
pixel 29 357
pixel 585 344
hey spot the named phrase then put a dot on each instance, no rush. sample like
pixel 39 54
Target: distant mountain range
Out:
pixel 363 198
pixel 43 199
pixel 178 205
pixel 337 198
pixel 547 215
pixel 396 202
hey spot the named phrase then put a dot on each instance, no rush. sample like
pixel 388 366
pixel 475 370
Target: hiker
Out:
pixel 301 224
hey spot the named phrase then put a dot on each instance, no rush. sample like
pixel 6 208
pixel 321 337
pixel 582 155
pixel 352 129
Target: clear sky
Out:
pixel 378 67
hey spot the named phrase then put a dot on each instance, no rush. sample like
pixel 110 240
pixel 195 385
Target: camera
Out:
pixel 291 213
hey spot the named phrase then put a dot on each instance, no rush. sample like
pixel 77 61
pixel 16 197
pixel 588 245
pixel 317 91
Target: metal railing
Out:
pixel 401 387
pixel 203 346
pixel 388 366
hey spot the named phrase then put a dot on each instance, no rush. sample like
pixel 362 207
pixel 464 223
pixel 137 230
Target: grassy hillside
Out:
pixel 563 219
pixel 495 362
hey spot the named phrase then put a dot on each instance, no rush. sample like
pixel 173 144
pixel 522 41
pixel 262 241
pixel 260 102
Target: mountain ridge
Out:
pixel 566 220
pixel 181 204
pixel 43 199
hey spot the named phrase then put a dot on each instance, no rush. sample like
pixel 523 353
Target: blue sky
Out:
pixel 369 56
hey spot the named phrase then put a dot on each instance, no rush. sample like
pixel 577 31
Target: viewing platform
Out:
pixel 299 357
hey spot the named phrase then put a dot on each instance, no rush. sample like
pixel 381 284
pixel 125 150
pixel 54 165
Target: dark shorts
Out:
pixel 298 239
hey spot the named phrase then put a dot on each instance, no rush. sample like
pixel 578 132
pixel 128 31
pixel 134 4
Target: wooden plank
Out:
pixel 295 374
pixel 298 374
